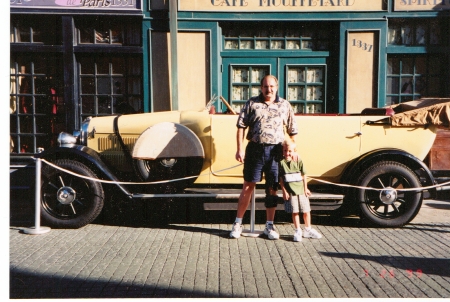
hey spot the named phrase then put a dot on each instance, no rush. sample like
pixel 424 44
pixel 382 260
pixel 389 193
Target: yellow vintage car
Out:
pixel 376 166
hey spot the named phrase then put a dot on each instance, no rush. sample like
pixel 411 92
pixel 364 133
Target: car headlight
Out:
pixel 82 134
pixel 66 140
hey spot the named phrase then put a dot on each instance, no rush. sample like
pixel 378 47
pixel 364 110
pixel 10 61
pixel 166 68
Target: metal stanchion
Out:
pixel 37 229
pixel 252 232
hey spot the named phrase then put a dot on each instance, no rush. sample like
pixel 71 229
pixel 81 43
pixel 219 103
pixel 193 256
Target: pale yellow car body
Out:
pixel 327 144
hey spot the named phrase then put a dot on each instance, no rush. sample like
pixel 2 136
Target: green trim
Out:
pixel 147 67
pixel 173 25
pixel 147 82
pixel 274 53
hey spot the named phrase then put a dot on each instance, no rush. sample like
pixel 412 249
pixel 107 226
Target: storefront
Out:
pixel 329 55
pixel 69 60
pixel 76 58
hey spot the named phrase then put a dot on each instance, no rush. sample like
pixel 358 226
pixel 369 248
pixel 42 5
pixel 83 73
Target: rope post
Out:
pixel 252 232
pixel 37 229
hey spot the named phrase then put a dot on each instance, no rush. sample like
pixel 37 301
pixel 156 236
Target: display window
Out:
pixel 65 68
pixel 37 109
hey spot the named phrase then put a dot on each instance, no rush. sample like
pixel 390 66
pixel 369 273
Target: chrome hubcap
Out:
pixel 66 195
pixel 168 162
pixel 388 195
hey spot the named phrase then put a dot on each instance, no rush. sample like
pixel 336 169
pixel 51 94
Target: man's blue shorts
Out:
pixel 262 159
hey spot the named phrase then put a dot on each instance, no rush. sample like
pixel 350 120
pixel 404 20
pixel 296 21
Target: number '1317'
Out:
pixel 362 45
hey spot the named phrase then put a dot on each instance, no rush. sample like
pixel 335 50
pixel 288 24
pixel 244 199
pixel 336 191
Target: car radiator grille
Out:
pixel 111 151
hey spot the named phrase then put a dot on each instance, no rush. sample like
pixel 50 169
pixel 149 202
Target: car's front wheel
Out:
pixel 69 201
pixel 389 206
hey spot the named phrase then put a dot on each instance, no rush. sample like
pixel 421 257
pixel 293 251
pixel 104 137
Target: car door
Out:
pixel 328 143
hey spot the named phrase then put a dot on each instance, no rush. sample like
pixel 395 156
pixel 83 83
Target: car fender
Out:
pixel 355 169
pixel 85 155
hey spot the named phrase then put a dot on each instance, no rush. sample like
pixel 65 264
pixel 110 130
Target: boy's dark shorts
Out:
pixel 263 159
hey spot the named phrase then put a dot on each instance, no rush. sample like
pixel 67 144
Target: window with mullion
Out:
pixel 37 109
pixel 293 36
pixel 413 32
pixel 35 30
pixel 245 83
pixel 305 88
pixel 109 85
pixel 108 31
pixel 413 77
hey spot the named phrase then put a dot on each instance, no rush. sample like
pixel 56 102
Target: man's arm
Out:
pixel 240 153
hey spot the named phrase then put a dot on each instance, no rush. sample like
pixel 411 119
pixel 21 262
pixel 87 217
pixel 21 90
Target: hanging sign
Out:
pixel 280 5
pixel 78 4
pixel 421 5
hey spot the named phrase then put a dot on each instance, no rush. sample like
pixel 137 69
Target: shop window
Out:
pixel 245 83
pixel 35 29
pixel 108 31
pixel 305 88
pixel 413 77
pixel 37 111
pixel 267 36
pixel 110 85
pixel 415 32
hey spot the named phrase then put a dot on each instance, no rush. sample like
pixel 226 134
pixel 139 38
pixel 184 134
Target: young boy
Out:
pixel 296 192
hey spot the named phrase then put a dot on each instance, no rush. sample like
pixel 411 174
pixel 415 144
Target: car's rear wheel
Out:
pixel 389 207
pixel 170 174
pixel 69 201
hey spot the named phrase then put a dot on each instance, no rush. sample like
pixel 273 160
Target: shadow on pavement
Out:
pixel 26 285
pixel 421 265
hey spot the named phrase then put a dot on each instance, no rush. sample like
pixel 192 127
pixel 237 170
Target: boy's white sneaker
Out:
pixel 312 234
pixel 236 230
pixel 298 236
pixel 271 232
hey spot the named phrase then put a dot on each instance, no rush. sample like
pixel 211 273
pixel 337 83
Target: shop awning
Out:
pixel 426 111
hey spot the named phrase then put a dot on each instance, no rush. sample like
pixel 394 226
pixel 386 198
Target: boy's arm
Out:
pixel 305 185
pixel 283 189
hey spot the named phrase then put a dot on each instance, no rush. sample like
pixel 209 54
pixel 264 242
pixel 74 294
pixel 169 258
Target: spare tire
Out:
pixel 168 154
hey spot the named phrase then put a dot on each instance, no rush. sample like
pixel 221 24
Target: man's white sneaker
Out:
pixel 236 230
pixel 271 232
pixel 298 236
pixel 312 234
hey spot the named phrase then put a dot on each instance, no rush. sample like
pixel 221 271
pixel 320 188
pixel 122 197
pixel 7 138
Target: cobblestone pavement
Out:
pixel 199 260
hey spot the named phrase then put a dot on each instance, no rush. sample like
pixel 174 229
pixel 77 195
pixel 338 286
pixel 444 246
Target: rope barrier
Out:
pixel 381 189
pixel 200 175
pixel 134 183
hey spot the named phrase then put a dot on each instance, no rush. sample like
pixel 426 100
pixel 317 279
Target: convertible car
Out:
pixel 380 161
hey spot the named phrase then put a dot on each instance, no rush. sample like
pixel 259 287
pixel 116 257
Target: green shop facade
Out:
pixel 70 59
